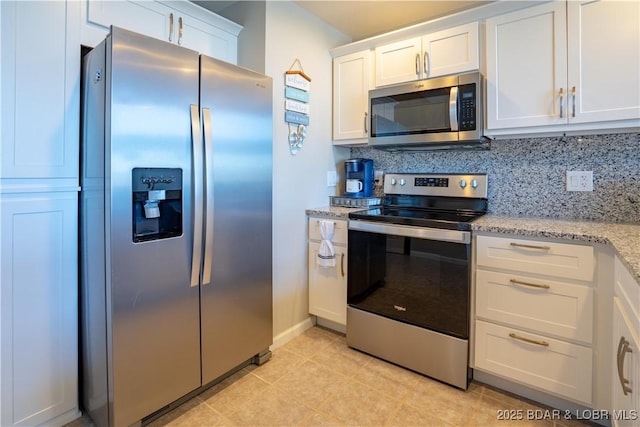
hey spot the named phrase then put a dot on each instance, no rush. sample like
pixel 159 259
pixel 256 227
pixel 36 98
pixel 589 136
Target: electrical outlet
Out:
pixel 579 180
pixel 332 178
pixel 378 176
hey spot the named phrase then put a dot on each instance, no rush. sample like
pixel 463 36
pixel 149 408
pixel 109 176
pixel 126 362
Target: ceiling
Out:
pixel 361 19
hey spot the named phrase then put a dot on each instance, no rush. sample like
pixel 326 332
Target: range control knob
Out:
pixel 402 181
pixel 474 183
pixel 393 181
pixel 462 183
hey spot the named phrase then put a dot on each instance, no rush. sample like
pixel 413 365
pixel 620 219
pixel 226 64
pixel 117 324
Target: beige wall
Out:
pixel 299 180
pixel 275 33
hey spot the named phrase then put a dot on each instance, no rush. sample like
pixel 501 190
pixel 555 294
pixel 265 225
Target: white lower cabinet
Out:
pixel 552 365
pixel 534 306
pixel 625 347
pixel 39 312
pixel 328 285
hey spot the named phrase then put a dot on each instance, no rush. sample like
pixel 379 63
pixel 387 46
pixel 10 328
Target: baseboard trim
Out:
pixel 286 336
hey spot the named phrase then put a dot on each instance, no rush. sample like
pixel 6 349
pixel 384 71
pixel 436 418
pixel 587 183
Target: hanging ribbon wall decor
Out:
pixel 296 105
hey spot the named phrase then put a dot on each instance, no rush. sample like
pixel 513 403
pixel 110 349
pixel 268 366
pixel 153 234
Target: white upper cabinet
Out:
pixel 526 67
pixel 351 98
pixel 564 66
pixel 604 60
pixel 179 22
pixel 40 87
pixel 453 50
pixel 450 51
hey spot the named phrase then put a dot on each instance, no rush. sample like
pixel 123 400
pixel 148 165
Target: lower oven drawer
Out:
pixel 547 364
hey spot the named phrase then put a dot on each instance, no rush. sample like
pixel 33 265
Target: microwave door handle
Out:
pixel 453 108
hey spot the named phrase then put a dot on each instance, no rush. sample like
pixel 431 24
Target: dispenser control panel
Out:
pixel 157 203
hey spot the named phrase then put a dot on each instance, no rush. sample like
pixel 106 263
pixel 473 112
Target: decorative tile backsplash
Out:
pixel 527 176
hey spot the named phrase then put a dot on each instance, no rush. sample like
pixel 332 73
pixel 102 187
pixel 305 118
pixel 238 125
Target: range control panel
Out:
pixel 448 185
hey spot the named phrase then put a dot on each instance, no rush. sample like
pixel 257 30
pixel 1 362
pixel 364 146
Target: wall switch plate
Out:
pixel 579 180
pixel 332 178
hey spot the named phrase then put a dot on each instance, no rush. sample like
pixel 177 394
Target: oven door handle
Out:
pixel 442 235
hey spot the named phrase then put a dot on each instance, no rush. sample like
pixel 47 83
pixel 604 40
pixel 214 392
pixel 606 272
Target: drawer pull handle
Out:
pixel 623 348
pixel 533 285
pixel 521 245
pixel 529 340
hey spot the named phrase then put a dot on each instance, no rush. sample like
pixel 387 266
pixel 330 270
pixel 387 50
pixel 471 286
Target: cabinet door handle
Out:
pixel 561 101
pixel 623 349
pixel 427 64
pixel 342 264
pixel 521 245
pixel 533 285
pixel 573 101
pixel 529 340
pixel 366 115
pixel 180 30
pixel 171 27
pixel 418 65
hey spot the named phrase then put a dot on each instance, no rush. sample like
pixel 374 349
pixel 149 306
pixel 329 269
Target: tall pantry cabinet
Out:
pixel 39 129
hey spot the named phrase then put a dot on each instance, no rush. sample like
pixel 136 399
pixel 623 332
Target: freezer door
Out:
pixel 236 299
pixel 153 310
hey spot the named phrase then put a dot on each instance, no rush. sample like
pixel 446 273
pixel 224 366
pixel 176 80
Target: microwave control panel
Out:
pixel 467 99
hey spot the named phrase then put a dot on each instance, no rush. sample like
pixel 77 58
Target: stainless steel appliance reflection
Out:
pixel 175 224
pixel 408 284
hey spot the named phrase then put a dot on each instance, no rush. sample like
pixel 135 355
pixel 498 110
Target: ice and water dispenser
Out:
pixel 157 203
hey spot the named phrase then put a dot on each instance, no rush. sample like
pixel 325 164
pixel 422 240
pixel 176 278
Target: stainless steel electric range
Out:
pixel 409 273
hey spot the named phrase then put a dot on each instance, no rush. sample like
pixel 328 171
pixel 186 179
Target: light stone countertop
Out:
pixel 624 238
pixel 333 211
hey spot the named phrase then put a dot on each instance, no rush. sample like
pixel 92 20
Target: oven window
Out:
pixel 416 281
pixel 411 113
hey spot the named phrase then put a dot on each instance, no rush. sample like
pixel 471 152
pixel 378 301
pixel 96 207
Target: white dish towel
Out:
pixel 326 252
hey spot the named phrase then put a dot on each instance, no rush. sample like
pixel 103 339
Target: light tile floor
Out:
pixel 316 380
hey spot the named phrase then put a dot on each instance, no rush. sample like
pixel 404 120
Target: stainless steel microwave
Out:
pixel 438 113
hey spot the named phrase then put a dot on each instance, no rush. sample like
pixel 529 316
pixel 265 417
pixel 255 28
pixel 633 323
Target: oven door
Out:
pixel 414 275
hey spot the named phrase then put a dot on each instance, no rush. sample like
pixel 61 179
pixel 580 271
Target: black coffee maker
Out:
pixel 358 177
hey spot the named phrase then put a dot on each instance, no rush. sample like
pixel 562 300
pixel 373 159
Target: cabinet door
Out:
pixel 40 90
pixel 604 60
pixel 625 373
pixel 526 67
pixel 351 96
pixel 398 62
pixel 38 277
pixel 145 17
pixel 454 50
pixel 328 286
pixel 179 22
pixel 201 30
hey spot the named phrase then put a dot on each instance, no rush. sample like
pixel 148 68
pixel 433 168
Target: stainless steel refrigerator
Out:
pixel 175 224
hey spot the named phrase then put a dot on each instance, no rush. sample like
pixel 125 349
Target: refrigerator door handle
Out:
pixel 196 255
pixel 208 180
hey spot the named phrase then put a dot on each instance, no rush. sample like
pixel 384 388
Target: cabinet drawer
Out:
pixel 546 306
pixel 339 230
pixel 551 365
pixel 540 257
